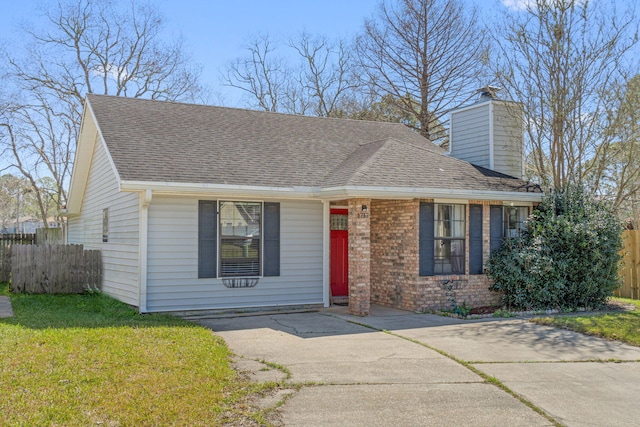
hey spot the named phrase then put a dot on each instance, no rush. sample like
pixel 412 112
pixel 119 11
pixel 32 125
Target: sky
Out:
pixel 215 31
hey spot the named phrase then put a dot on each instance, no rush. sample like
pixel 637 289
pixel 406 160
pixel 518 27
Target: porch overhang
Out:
pixel 404 193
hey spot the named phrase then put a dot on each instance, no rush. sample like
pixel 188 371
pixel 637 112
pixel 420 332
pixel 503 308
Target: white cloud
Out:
pixel 524 4
pixel 517 4
pixel 111 70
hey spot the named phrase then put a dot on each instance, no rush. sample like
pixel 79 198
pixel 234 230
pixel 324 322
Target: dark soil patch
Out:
pixel 611 305
pixel 488 309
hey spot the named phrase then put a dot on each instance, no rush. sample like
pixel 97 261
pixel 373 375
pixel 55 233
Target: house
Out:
pixel 201 207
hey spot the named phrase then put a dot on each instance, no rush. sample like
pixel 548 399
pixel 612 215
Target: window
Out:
pixel 514 217
pixel 449 239
pixel 339 222
pixel 240 239
pixel 105 225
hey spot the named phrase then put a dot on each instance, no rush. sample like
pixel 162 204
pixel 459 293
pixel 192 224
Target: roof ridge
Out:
pixel 370 159
pixel 192 104
pixel 375 155
pixel 374 141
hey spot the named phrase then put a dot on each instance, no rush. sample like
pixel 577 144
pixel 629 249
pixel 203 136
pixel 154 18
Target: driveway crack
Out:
pixel 489 379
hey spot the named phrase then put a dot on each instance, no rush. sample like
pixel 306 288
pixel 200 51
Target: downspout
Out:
pixel 325 252
pixel 145 201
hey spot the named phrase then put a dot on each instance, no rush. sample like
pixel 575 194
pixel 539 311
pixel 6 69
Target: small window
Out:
pixel 514 217
pixel 449 239
pixel 339 222
pixel 240 239
pixel 105 225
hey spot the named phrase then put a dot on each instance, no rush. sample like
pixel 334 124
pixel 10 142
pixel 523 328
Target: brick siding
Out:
pixel 393 269
pixel 359 257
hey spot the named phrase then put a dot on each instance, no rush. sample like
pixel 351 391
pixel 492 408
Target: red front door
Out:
pixel 339 264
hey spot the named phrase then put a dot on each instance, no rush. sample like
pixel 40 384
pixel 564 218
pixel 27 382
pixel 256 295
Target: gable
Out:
pixel 85 149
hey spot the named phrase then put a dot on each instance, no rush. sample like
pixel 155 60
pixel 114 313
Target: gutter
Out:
pixel 425 193
pixel 327 194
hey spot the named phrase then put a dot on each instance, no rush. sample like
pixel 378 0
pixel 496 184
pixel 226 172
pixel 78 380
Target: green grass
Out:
pixel 620 326
pixel 78 360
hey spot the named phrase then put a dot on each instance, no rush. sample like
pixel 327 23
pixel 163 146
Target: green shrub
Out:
pixel 567 256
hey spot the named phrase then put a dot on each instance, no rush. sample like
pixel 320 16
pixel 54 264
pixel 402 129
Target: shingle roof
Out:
pixel 159 141
pixel 391 163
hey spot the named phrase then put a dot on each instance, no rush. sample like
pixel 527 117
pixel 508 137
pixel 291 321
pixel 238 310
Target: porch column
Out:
pixel 359 256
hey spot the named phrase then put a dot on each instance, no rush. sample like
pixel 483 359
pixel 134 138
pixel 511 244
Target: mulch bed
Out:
pixel 489 309
pixel 612 305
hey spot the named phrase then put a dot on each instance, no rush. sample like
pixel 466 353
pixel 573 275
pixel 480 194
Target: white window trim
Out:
pixel 219 239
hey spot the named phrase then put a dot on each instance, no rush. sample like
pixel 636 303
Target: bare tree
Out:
pixel 112 48
pixel 618 171
pixel 385 109
pixel 261 75
pixel 317 81
pixel 427 54
pixel 327 76
pixel 11 188
pixel 559 58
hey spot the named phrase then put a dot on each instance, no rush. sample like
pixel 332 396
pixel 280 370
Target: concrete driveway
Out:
pixel 405 369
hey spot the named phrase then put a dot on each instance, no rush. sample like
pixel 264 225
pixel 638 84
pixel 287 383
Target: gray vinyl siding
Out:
pixel 507 140
pixel 172 269
pixel 120 253
pixel 470 135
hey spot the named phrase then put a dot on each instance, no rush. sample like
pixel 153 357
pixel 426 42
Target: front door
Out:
pixel 339 264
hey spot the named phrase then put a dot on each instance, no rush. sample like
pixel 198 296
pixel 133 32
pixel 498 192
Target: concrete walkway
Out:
pixel 6 310
pixel 355 374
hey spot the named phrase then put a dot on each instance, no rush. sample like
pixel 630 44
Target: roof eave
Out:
pixel 327 193
pixel 181 188
pixel 336 193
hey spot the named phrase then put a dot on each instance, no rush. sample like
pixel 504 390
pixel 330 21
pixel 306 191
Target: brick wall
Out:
pixel 443 292
pixel 359 257
pixel 394 266
pixel 394 249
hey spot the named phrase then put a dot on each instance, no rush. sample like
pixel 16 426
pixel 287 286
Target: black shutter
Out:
pixel 426 258
pixel 271 233
pixel 496 228
pixel 475 239
pixel 207 238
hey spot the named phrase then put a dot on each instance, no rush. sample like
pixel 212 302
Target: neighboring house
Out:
pixel 200 207
pixel 27 224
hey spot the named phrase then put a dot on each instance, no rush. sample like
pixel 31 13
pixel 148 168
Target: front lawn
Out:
pixel 78 360
pixel 621 326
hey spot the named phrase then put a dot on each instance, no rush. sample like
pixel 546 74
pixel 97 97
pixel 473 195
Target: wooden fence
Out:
pixel 6 242
pixel 49 236
pixel 54 269
pixel 630 271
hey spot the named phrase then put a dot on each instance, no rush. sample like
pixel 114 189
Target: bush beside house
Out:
pixel 567 256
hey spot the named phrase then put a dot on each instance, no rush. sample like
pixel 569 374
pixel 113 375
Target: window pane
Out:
pixel 449 256
pixel 240 235
pixel 240 257
pixel 457 224
pixel 514 217
pixel 240 218
pixel 449 221
pixel 339 222
pixel 105 225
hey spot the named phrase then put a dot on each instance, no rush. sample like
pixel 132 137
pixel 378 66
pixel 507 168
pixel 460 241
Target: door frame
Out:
pixel 339 210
